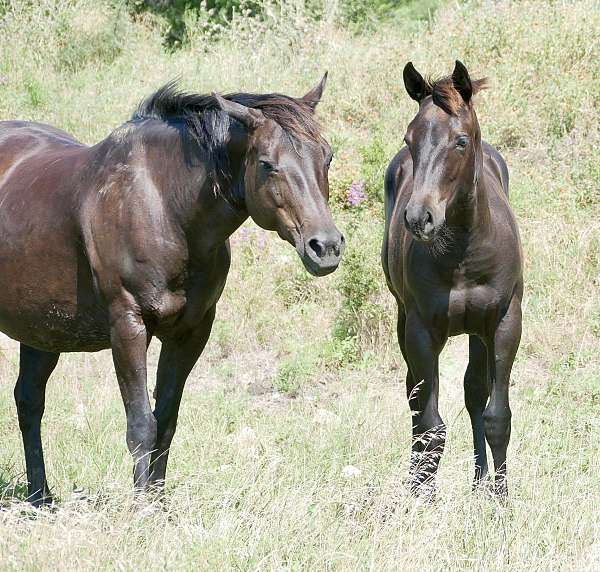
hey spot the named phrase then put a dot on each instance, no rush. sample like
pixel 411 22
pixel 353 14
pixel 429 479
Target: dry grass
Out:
pixel 301 378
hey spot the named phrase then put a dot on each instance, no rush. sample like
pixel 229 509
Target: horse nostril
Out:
pixel 317 247
pixel 406 216
pixel 428 218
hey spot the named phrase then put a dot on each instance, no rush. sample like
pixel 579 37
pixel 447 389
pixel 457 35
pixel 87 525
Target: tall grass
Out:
pixel 301 377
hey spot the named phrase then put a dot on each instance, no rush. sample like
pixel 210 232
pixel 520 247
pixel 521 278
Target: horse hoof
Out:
pixel 45 502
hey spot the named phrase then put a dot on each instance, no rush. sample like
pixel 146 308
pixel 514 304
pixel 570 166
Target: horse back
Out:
pixel 21 135
pixel 27 148
pixel 497 163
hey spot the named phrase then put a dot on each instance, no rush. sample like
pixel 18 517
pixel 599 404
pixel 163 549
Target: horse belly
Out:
pixel 47 296
pixel 55 326
pixel 53 310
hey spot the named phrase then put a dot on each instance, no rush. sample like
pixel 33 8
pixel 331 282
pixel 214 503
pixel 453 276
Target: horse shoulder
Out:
pixel 130 240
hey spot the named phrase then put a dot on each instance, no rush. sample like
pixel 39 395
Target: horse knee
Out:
pixel 497 427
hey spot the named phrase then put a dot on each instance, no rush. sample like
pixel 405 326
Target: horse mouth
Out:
pixel 320 262
pixel 318 270
pixel 438 241
pixel 422 237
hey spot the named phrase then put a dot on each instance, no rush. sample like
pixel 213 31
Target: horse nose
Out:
pixel 419 220
pixel 324 245
pixel 325 250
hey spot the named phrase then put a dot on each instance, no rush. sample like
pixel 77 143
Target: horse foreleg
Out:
pixel 177 358
pixel 497 415
pixel 129 341
pixel 35 367
pixel 429 431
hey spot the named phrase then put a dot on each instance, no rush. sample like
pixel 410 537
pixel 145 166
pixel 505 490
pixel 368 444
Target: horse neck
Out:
pixel 202 202
pixel 220 203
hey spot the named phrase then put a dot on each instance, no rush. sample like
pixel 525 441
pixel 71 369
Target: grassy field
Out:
pixel 293 438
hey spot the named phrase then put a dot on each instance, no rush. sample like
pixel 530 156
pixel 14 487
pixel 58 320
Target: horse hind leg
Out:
pixel 477 390
pixel 35 367
pixel 497 415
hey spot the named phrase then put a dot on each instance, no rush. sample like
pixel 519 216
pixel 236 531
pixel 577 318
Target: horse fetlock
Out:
pixel 41 499
pixel 422 476
pixel 141 441
pixel 500 487
pixel 424 463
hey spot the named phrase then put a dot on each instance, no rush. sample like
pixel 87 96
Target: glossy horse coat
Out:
pixel 109 245
pixel 452 259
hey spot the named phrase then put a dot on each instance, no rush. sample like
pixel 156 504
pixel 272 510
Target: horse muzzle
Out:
pixel 322 252
pixel 419 222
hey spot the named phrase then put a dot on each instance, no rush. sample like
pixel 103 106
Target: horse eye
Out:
pixel 461 142
pixel 269 167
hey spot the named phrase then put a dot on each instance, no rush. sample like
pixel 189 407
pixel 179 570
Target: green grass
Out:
pixel 302 378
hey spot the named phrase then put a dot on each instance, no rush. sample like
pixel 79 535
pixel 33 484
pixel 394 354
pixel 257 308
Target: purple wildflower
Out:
pixel 261 241
pixel 355 195
pixel 245 234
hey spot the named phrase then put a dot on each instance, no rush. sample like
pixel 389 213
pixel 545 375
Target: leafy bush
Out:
pixel 180 13
pixel 358 281
pixel 183 15
pixel 293 372
pixel 95 38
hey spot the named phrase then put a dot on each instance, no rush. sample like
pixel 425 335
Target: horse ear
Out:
pixel 462 81
pixel 248 117
pixel 313 97
pixel 414 83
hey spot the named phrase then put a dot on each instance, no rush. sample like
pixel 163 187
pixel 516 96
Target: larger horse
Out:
pixel 452 258
pixel 109 245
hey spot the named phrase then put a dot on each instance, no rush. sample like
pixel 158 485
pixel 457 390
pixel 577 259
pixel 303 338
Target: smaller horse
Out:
pixel 452 259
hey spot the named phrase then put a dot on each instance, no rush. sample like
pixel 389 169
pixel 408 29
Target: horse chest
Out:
pixel 469 308
pixel 176 312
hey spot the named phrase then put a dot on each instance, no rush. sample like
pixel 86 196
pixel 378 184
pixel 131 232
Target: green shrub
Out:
pixel 358 281
pixel 96 39
pixel 340 351
pixel 180 15
pixel 36 94
pixel 375 159
pixel 293 372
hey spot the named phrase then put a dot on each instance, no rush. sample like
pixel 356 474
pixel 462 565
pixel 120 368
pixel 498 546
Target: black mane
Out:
pixel 208 126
